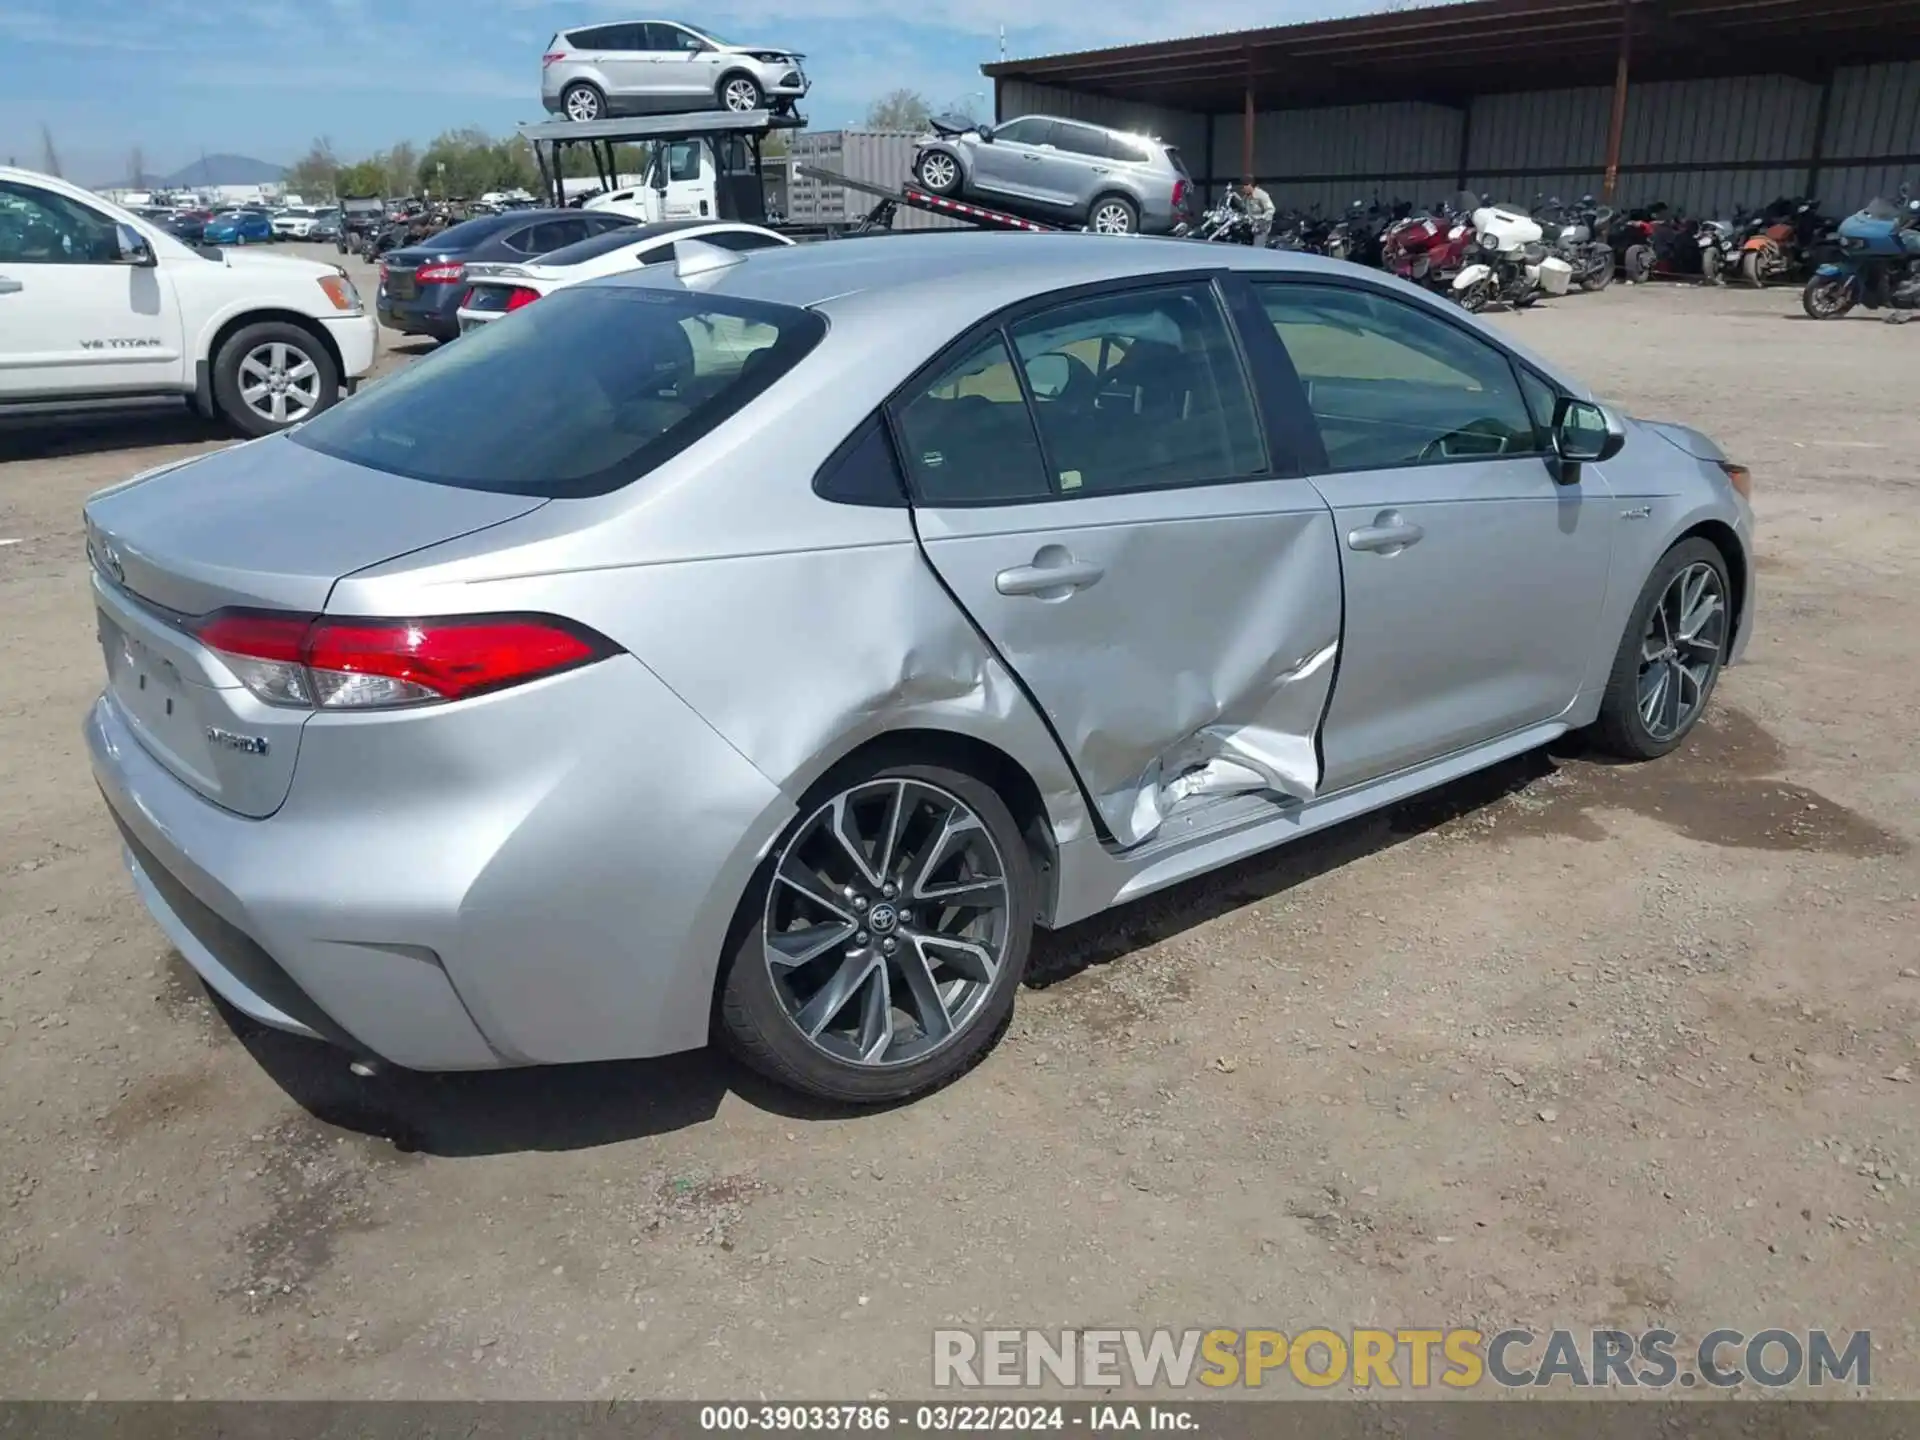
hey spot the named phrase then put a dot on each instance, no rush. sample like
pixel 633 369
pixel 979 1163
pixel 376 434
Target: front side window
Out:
pixel 967 436
pixel 1138 390
pixel 647 373
pixel 40 227
pixel 683 160
pixel 1033 130
pixel 1390 385
pixel 672 37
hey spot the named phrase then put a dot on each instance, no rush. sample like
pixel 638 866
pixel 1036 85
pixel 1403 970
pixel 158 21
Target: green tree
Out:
pixel 315 174
pixel 403 168
pixel 898 110
pixel 362 178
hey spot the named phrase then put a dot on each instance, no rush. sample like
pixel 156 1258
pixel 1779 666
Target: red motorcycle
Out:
pixel 1429 248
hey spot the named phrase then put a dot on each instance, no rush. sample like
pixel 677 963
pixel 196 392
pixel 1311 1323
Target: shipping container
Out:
pixel 876 157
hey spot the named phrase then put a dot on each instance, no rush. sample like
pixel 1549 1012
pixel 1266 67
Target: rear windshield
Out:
pixel 469 233
pixel 578 394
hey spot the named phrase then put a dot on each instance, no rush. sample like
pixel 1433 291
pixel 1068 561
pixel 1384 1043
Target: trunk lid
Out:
pixel 267 525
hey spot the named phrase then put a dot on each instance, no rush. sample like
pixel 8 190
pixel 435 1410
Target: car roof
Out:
pixel 947 281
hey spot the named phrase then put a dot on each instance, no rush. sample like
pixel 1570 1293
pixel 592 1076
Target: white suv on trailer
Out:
pixel 97 304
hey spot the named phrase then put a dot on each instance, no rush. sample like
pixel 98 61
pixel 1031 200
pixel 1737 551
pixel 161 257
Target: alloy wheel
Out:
pixel 887 922
pixel 583 104
pixel 279 383
pixel 1112 218
pixel 937 172
pixel 742 95
pixel 1681 650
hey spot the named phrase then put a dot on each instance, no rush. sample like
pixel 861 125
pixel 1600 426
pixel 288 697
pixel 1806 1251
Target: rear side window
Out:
pixel 1079 140
pixel 967 437
pixel 647 373
pixel 1139 390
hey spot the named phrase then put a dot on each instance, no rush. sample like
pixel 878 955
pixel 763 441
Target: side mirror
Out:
pixel 1049 375
pixel 134 249
pixel 1584 432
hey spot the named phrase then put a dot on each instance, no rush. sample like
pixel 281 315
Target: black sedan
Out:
pixel 421 285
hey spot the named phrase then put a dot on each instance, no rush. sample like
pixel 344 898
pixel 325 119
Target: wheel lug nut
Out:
pixel 887 945
pixel 859 902
pixel 859 937
pixel 888 891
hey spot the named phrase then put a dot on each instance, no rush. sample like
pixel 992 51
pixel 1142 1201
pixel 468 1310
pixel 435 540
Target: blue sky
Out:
pixel 264 77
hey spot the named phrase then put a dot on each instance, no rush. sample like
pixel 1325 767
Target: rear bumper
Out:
pixel 430 312
pixel 504 882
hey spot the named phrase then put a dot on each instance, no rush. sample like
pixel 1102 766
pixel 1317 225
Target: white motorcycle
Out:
pixel 1515 266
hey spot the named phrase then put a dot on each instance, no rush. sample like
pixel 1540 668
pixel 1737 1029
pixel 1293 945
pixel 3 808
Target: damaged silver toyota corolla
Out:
pixel 761 646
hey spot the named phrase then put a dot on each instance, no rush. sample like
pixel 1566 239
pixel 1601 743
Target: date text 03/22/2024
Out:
pixel 1089 1418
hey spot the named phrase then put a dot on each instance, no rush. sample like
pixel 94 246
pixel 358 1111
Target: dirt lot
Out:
pixel 1567 1044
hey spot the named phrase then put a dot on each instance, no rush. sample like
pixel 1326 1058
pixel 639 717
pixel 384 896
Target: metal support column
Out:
pixel 1466 143
pixel 1209 178
pixel 1817 155
pixel 1246 127
pixel 1616 128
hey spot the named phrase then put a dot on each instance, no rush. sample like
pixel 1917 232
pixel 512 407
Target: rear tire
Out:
pixel 1113 215
pixel 1599 270
pixel 761 1019
pixel 583 103
pixel 1638 263
pixel 1692 645
pixel 308 382
pixel 1751 269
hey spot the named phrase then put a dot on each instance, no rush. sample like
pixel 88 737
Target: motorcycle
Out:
pixel 1430 247
pixel 1878 264
pixel 1779 239
pixel 1510 262
pixel 1672 245
pixel 1574 234
pixel 1226 223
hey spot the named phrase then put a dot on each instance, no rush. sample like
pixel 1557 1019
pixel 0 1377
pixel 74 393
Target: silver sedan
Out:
pixel 761 646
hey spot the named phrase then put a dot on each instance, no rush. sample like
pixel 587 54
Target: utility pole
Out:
pixel 49 157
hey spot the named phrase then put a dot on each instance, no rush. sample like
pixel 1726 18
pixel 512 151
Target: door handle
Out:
pixel 1388 535
pixel 10 287
pixel 1031 159
pixel 1054 575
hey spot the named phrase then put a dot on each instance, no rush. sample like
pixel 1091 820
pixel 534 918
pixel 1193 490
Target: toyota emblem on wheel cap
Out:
pixel 882 918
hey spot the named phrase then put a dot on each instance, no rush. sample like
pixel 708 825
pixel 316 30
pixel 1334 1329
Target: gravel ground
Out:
pixel 1564 1044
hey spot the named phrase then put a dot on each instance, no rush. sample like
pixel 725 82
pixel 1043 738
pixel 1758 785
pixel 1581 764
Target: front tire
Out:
pixel 939 172
pixel 1638 263
pixel 741 93
pixel 1752 270
pixel 882 943
pixel 583 103
pixel 272 375
pixel 1113 215
pixel 1671 655
pixel 1827 297
pixel 1475 297
pixel 1599 270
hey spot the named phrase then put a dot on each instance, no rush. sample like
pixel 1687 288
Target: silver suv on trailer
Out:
pixel 661 66
pixel 1064 170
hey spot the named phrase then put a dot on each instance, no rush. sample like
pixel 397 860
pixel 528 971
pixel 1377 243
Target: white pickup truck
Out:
pixel 99 304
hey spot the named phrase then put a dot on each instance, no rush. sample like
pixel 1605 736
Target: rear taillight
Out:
pixel 551 56
pixel 383 272
pixel 1180 194
pixel 446 273
pixel 520 295
pixel 1739 477
pixel 333 663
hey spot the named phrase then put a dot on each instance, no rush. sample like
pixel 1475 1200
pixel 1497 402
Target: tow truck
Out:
pixel 725 179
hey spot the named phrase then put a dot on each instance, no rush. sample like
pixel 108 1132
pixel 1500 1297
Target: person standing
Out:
pixel 1259 211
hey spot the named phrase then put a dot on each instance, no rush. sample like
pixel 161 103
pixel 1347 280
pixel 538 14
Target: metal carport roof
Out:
pixel 1449 53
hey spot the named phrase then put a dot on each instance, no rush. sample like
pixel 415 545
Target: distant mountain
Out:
pixel 216 170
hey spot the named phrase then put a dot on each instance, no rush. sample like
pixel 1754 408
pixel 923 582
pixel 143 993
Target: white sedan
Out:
pixel 496 290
